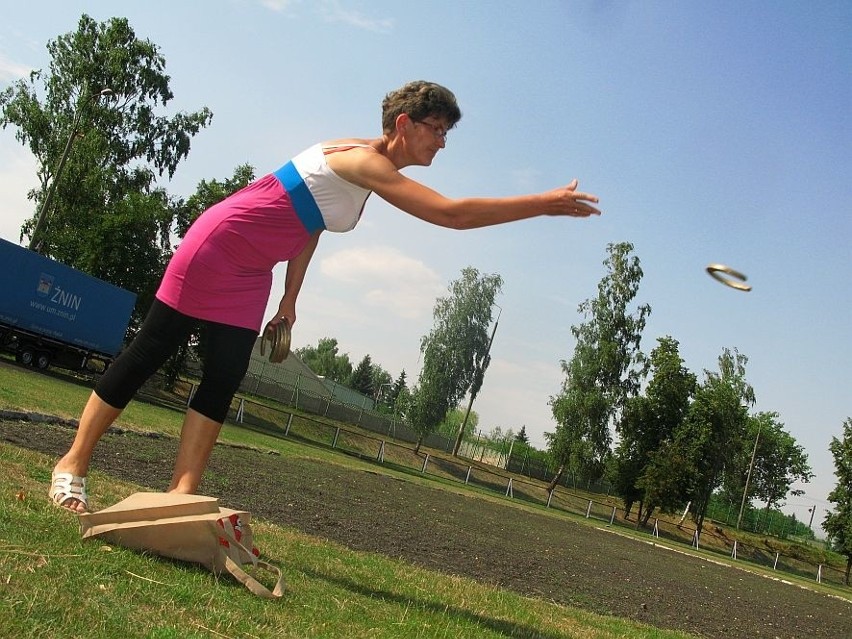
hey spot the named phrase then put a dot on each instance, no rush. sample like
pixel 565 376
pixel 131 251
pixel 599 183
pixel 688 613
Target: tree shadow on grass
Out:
pixel 499 626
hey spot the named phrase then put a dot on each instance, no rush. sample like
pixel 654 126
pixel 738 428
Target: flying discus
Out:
pixel 735 280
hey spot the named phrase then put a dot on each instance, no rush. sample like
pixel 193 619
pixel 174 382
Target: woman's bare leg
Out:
pixel 97 417
pixel 197 438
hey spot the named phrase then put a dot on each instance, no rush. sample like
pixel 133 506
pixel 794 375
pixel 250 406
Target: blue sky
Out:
pixel 712 132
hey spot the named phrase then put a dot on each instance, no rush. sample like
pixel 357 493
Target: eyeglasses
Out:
pixel 437 131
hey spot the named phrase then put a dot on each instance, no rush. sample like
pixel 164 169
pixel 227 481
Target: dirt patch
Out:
pixel 530 553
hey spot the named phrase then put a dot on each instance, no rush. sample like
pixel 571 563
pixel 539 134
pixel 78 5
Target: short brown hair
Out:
pixel 420 99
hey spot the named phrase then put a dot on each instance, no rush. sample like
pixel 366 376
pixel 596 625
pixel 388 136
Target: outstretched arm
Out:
pixel 379 175
pixel 296 269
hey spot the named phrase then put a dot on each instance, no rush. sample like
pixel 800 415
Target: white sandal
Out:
pixel 66 486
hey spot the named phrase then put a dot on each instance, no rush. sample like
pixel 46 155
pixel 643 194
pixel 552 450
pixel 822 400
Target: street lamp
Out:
pixel 460 434
pixel 35 240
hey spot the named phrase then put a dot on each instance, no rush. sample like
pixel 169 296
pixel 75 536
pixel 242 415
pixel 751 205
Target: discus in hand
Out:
pixel 728 276
pixel 278 336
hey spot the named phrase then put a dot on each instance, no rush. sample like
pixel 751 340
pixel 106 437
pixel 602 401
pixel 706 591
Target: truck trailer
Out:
pixel 52 314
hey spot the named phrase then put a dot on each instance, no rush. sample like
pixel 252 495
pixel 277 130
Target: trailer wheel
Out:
pixel 42 360
pixel 25 356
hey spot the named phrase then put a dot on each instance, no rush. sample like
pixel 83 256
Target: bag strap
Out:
pixel 252 583
pixel 249 581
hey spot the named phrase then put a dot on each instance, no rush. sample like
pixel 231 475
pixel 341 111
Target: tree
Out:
pixel 838 522
pixel 455 352
pixel 667 479
pixel 402 403
pixel 606 368
pixel 392 395
pixel 769 463
pixel 361 379
pixel 647 422
pixel 457 418
pixel 325 361
pixel 381 382
pixel 91 122
pixel 522 437
pixel 714 428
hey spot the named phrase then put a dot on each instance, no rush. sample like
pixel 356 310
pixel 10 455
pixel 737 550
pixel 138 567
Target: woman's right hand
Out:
pixel 573 203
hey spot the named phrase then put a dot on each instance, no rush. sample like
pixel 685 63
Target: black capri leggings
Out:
pixel 225 360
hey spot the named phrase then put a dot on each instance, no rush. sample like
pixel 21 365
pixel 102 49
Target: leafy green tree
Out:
pixel 455 352
pixel 498 435
pixel 714 428
pixel 454 420
pixel 91 121
pixel 325 360
pixel 388 398
pixel 606 368
pixel 381 381
pixel 775 460
pixel 666 481
pixel 838 522
pixel 647 422
pixel 522 437
pixel 362 377
pixel 402 403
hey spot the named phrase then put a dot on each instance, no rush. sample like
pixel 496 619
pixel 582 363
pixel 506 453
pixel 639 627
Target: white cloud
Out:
pixel 386 278
pixel 11 71
pixel 334 12
pixel 279 6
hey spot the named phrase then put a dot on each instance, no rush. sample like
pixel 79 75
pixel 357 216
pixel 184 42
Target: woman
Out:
pixel 221 274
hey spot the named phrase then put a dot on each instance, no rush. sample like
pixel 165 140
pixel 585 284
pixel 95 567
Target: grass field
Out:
pixel 378 583
pixel 53 584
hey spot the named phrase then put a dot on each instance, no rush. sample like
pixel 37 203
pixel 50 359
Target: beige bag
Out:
pixel 186 527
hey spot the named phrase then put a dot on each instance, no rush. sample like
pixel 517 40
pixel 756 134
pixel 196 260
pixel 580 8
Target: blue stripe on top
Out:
pixel 303 201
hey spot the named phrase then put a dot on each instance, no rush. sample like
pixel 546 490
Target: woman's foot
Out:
pixel 68 491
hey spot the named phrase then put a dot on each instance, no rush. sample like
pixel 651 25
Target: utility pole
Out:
pixel 35 240
pixel 748 476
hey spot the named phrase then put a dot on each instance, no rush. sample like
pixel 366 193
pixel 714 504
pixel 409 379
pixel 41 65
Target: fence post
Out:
pixel 589 509
pixel 775 565
pixel 240 410
pixel 656 532
pixel 734 551
pixel 381 456
pixel 549 497
pixel 695 539
pixel 467 477
pixel 509 491
pixel 289 421
pixel 296 391
pixel 336 435
pixel 612 517
pixel 191 393
pixel 425 462
pixel 819 574
pixel 259 377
